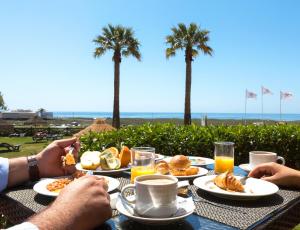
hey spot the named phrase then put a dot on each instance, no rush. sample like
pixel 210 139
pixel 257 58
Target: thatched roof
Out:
pixel 98 126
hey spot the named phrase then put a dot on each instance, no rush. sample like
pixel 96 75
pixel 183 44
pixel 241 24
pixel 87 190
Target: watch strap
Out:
pixel 33 169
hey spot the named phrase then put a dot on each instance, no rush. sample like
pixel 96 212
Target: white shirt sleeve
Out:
pixel 24 226
pixel 4 167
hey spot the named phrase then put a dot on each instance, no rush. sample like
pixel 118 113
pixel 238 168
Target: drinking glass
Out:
pixel 142 162
pixel 224 157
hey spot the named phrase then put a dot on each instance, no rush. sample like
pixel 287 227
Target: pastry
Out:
pixel 227 181
pixel 162 167
pixel 191 171
pixel 178 172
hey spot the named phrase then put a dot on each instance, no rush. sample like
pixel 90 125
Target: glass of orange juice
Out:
pixel 142 162
pixel 224 157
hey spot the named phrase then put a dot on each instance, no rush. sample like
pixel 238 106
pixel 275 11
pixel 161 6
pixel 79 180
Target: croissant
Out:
pixel 162 167
pixel 227 181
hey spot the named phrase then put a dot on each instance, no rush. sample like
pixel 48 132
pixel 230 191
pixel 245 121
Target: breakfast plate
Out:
pixel 196 161
pixel 101 171
pixel 254 188
pixel 41 186
pixel 185 206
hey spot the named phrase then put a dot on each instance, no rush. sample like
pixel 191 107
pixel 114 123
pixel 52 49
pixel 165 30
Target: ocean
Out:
pixel 155 115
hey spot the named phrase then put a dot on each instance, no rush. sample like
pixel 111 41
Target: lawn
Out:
pixel 28 146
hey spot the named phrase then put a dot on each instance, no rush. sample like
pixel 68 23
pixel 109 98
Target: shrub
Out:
pixel 170 139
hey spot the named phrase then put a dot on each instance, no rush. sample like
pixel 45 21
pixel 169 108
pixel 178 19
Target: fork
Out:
pixel 243 179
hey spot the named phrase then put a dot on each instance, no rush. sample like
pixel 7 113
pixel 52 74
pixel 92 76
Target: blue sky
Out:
pixel 46 55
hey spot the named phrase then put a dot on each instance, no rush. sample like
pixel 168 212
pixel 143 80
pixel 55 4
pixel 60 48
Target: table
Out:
pixel 280 210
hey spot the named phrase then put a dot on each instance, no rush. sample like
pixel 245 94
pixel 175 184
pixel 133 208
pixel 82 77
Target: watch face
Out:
pixel 32 161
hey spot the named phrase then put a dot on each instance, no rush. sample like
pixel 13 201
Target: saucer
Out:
pixel 245 167
pixel 185 206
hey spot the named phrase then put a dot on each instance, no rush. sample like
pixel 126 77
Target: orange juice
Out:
pixel 141 170
pixel 223 164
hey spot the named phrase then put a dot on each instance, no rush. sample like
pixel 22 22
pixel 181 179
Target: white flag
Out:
pixel 265 90
pixel 250 94
pixel 285 95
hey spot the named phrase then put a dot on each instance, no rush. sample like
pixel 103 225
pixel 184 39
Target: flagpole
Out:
pixel 245 106
pixel 262 103
pixel 280 106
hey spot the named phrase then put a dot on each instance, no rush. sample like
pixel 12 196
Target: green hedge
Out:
pixel 170 139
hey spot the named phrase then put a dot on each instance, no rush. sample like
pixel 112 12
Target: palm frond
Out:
pixel 170 52
pixel 195 53
pixel 99 51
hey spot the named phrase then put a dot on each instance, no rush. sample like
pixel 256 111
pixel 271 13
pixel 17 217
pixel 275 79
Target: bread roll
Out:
pixel 180 162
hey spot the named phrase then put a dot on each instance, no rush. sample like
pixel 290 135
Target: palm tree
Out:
pixel 41 111
pixel 122 42
pixel 192 40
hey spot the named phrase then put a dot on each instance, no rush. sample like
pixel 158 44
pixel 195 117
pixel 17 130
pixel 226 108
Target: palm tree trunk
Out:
pixel 188 83
pixel 116 109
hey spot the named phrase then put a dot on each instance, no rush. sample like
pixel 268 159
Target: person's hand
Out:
pixel 277 174
pixel 86 199
pixel 50 162
pixel 83 204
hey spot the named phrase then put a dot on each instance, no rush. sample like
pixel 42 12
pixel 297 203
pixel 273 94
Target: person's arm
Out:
pixel 83 204
pixel 18 171
pixel 277 174
pixel 48 160
pixel 4 168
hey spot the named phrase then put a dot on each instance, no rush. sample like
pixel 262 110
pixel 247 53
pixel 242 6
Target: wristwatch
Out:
pixel 33 169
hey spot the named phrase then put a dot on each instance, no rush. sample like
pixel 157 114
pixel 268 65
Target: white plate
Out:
pixel 245 167
pixel 196 161
pixel 41 186
pixel 201 172
pixel 101 171
pixel 254 188
pixel 159 157
pixel 186 207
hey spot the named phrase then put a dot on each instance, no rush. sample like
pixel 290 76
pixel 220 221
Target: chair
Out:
pixel 10 147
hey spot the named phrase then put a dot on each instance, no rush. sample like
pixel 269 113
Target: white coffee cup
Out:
pixel 260 157
pixel 155 195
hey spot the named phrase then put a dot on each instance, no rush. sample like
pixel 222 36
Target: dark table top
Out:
pixel 206 216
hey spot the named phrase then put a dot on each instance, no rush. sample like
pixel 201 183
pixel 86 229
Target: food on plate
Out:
pixel 114 151
pixel 162 167
pixel 69 159
pixel 125 156
pixel 90 160
pixel 179 165
pixel 227 181
pixel 59 184
pixel 191 171
pixel 178 172
pixel 109 159
pixel 180 162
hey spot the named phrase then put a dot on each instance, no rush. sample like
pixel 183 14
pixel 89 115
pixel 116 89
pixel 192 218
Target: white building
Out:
pixel 24 115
